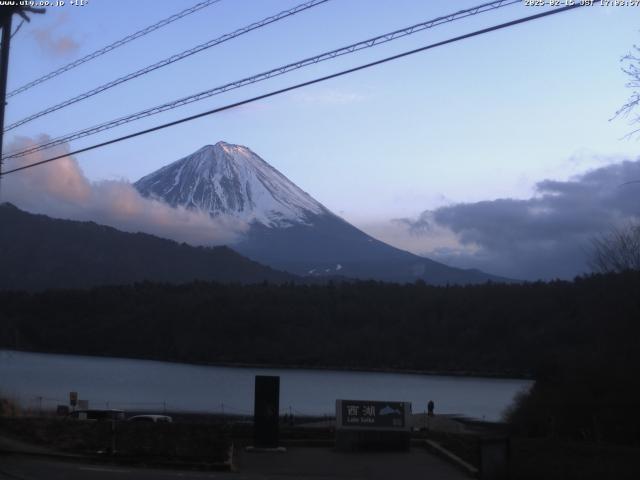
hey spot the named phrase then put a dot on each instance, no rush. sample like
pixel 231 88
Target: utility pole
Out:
pixel 4 66
pixel 6 15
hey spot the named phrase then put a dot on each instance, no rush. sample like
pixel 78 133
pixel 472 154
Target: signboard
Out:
pixel 372 415
pixel 73 398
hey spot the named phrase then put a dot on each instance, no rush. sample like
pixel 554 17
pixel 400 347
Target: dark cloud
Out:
pixel 546 236
pixel 423 225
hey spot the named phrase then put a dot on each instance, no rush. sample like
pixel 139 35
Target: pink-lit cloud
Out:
pixel 61 190
pixel 52 42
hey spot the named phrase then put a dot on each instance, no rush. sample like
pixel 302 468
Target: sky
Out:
pixel 495 152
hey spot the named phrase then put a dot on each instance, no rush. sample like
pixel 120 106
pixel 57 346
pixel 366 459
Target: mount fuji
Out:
pixel 288 229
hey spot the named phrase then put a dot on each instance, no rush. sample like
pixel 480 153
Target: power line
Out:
pixel 301 85
pixel 371 42
pixel 265 75
pixel 6 18
pixel 5 23
pixel 169 61
pixel 113 46
pixel 14 34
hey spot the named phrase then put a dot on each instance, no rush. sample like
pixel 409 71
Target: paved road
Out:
pixel 297 463
pixel 324 463
pixel 17 467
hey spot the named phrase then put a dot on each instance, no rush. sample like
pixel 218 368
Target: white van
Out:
pixel 151 418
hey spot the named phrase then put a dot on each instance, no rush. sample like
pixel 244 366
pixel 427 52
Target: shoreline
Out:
pixel 438 373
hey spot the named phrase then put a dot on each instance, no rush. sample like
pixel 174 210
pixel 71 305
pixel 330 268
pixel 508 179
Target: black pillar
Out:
pixel 266 411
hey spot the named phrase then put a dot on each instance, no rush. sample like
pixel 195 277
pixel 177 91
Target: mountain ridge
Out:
pixel 231 179
pixel 288 229
pixel 41 252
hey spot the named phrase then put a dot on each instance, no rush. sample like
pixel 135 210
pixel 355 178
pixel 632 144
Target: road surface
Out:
pixel 296 463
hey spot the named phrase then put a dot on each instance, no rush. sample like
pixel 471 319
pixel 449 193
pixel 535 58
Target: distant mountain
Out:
pixel 289 229
pixel 39 252
pixel 225 179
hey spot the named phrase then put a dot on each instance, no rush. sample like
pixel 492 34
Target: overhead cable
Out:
pixel 168 61
pixel 301 85
pixel 369 43
pixel 113 46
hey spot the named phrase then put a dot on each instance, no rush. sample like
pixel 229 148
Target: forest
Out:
pixel 578 339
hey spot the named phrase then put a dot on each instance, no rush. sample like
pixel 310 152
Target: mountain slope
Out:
pixel 226 179
pixel 288 228
pixel 332 246
pixel 40 252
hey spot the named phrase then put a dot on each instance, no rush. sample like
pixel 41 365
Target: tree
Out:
pixel 631 66
pixel 618 250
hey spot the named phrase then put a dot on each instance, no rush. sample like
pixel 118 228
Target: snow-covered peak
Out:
pixel 227 179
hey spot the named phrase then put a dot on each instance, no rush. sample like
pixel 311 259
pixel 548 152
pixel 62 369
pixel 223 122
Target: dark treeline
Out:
pixel 579 339
pixel 85 254
pixel 491 328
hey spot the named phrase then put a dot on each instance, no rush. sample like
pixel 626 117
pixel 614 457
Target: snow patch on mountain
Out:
pixel 231 180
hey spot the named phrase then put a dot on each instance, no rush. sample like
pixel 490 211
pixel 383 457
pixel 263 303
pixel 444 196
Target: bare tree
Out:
pixel 618 250
pixel 631 66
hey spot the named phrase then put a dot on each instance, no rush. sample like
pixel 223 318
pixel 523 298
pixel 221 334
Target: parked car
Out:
pixel 151 418
pixel 97 414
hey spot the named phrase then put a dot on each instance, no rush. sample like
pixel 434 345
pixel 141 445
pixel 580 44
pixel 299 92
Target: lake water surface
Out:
pixel 36 379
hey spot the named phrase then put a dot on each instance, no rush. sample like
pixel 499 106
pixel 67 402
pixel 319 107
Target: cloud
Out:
pixel 55 43
pixel 546 236
pixel 419 227
pixel 414 235
pixel 60 189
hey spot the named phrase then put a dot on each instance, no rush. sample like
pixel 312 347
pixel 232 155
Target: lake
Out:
pixel 38 379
